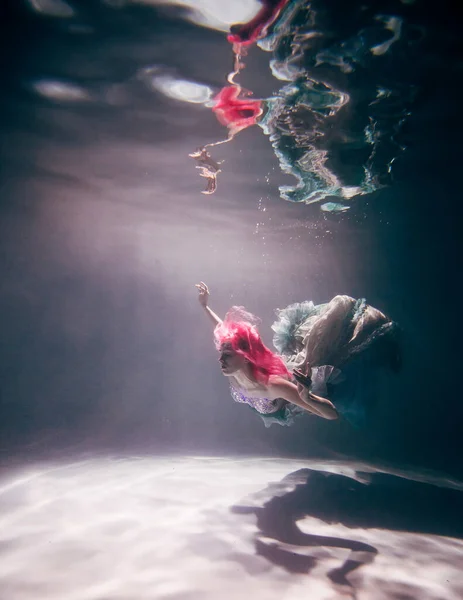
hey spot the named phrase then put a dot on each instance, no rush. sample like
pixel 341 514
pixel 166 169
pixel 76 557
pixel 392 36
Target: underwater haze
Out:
pixel 143 150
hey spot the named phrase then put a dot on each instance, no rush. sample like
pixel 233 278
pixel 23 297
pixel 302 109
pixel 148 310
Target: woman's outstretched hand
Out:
pixel 323 407
pixel 302 377
pixel 204 299
pixel 303 382
pixel 203 293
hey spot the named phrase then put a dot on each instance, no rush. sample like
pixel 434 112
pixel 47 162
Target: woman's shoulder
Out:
pixel 277 384
pixel 278 379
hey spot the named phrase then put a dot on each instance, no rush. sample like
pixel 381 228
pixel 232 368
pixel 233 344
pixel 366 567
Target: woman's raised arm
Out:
pixel 204 300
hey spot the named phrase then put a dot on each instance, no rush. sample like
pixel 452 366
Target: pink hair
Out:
pixel 239 330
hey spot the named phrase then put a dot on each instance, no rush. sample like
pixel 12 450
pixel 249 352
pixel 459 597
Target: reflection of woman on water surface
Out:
pixel 329 350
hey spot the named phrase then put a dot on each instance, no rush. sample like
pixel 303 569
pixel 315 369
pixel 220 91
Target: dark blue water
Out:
pixel 104 232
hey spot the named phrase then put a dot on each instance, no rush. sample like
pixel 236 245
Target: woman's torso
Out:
pixel 255 395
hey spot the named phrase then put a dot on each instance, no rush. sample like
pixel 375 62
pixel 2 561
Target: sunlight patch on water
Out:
pixel 178 89
pixel 334 207
pixel 394 25
pixel 52 8
pixel 211 13
pixel 61 91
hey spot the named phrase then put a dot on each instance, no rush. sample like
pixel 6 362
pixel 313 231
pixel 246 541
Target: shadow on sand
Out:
pixel 372 500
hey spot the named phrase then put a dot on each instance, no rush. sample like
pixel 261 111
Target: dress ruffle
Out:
pixel 285 416
pixel 285 337
pixel 344 343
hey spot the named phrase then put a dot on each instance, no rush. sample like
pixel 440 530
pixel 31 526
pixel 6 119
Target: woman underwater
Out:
pixel 332 351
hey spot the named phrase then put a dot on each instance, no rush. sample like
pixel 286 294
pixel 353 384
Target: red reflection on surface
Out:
pixel 235 112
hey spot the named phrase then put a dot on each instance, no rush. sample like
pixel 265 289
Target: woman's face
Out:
pixel 230 361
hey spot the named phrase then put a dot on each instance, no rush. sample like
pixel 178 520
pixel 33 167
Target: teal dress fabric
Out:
pixel 346 344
